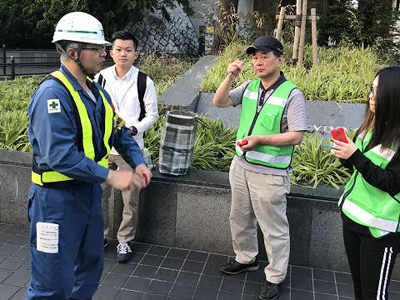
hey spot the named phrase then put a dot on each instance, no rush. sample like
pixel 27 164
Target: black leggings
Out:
pixel 371 260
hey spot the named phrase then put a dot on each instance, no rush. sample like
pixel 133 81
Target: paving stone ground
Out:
pixel 161 273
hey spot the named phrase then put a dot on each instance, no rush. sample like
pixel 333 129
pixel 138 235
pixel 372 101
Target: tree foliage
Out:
pixel 368 24
pixel 31 23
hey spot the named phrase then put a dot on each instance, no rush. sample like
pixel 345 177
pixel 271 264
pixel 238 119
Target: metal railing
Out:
pixel 26 63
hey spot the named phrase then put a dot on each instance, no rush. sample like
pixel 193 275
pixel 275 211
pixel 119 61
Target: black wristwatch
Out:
pixel 134 131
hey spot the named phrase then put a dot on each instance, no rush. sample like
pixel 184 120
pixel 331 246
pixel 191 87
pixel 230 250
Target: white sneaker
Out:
pixel 123 252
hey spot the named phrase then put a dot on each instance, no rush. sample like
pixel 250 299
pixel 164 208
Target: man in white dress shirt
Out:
pixel 135 100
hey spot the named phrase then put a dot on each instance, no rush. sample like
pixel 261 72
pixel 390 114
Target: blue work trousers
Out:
pixel 76 269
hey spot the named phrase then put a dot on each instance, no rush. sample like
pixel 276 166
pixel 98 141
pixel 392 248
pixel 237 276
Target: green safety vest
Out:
pixel 266 122
pixel 87 133
pixel 366 204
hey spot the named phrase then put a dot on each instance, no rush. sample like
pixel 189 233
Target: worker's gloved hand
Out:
pixel 125 180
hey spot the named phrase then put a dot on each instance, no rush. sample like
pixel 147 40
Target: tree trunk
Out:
pixel 223 25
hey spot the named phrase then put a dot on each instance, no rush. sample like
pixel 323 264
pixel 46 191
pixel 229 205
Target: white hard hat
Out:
pixel 80 27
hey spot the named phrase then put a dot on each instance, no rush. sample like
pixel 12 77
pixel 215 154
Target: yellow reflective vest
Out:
pixel 42 178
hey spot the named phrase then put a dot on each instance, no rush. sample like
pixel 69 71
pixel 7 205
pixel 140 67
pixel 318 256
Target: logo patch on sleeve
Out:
pixel 53 106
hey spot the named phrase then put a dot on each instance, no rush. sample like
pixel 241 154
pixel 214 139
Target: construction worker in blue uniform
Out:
pixel 72 128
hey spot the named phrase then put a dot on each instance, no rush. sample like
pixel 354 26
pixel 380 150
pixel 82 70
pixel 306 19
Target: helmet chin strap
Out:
pixel 76 60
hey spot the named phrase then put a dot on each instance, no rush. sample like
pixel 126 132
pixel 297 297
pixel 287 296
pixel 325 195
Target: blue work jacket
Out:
pixel 54 135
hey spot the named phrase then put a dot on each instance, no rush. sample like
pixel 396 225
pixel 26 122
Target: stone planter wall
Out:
pixel 192 211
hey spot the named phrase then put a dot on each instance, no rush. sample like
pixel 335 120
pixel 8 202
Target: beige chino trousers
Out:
pixel 127 229
pixel 260 198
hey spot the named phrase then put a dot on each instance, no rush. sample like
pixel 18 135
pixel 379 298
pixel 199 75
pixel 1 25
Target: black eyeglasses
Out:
pixel 103 48
pixel 371 89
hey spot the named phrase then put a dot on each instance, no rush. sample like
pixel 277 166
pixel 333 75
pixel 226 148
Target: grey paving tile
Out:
pixel 183 291
pixel 129 295
pixel 301 272
pixel 136 257
pixel 152 260
pixel 250 297
pixel 166 274
pixel 302 283
pixel 197 256
pixel 25 266
pixel 252 288
pixel 319 296
pixel 232 285
pixel 137 284
pixel 126 269
pixel 212 270
pixel 324 287
pixel 240 276
pixel 5 237
pixel 159 287
pixel 140 247
pixel 4 273
pixel 256 276
pixel 343 278
pixel 394 286
pixel 21 294
pixel 11 263
pixel 158 250
pixel 106 293
pixel 145 271
pixel 108 265
pixel 115 280
pixel 17 240
pixel 18 278
pixel 23 252
pixel 345 290
pixel 178 253
pixel 193 266
pixel 24 232
pixel 301 295
pixel 324 275
pixel 6 250
pixel 149 296
pixel 205 294
pixel 188 278
pixel 286 294
pixel 223 295
pixel 209 282
pixel 7 291
pixel 217 259
pixel 172 263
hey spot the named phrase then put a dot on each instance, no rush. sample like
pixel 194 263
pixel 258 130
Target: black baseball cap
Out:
pixel 265 44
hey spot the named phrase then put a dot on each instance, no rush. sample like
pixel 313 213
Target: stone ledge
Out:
pixel 192 211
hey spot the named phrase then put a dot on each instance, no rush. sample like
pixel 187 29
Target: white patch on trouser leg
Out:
pixel 47 237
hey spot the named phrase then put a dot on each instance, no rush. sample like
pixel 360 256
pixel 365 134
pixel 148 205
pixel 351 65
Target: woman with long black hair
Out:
pixel 370 204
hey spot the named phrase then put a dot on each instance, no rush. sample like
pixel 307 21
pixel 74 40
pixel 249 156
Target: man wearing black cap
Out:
pixel 272 121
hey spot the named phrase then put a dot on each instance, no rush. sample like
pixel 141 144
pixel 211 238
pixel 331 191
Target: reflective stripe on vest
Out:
pixel 267 121
pixel 87 133
pixel 366 204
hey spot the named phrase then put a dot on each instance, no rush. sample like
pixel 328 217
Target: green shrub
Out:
pixel 340 76
pixel 314 164
pixel 14 98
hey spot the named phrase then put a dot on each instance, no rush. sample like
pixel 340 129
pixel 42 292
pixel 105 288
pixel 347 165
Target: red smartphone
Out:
pixel 241 143
pixel 339 134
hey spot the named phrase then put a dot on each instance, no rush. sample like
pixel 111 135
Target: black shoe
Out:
pixel 105 243
pixel 270 291
pixel 233 267
pixel 123 252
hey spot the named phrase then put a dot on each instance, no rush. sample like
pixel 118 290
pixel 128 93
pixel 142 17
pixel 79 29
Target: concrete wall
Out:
pixel 192 211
